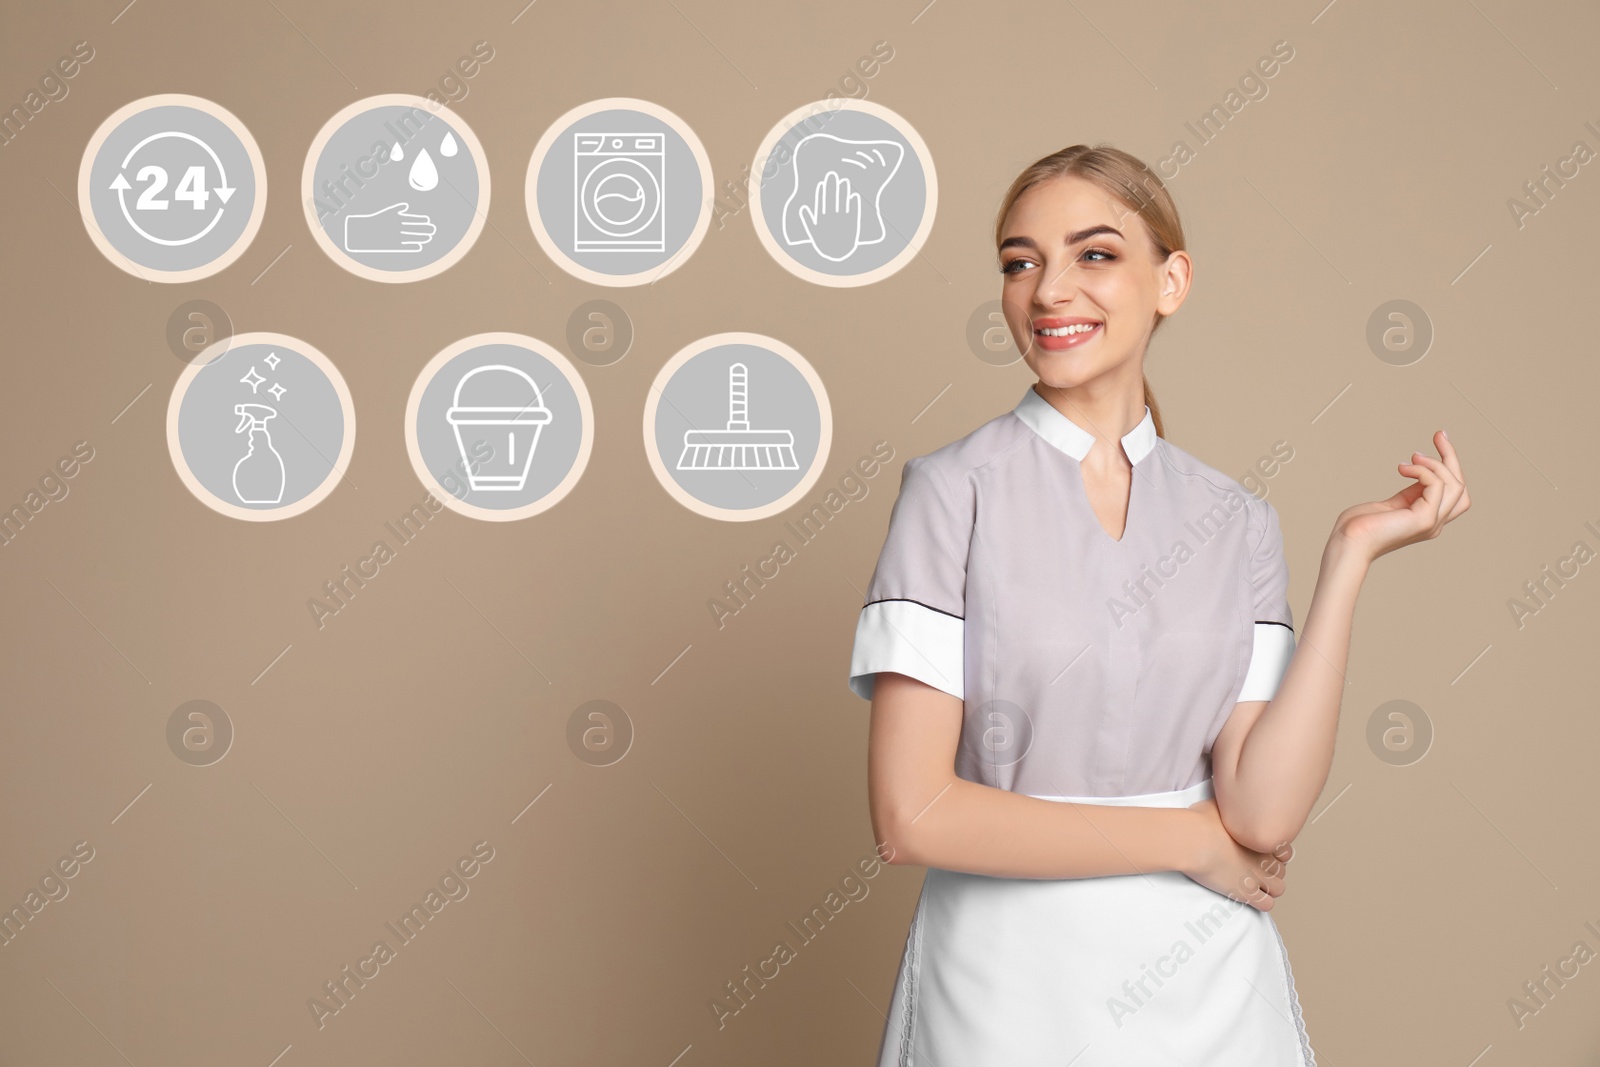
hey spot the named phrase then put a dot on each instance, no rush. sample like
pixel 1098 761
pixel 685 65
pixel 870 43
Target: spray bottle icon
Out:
pixel 258 477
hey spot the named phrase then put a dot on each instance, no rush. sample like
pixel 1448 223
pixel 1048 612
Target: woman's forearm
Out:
pixel 967 826
pixel 1268 784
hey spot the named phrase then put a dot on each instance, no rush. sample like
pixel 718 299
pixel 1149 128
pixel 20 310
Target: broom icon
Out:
pixel 738 448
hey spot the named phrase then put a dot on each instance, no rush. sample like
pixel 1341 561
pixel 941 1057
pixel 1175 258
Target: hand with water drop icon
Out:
pixel 390 229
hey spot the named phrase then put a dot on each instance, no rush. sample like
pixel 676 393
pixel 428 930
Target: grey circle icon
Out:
pixel 499 426
pixel 395 188
pixel 172 188
pixel 599 332
pixel 199 732
pixel 616 191
pixel 1399 732
pixel 989 337
pixel 599 733
pixel 737 426
pixel 260 426
pixel 1399 332
pixel 845 192
pixel 1000 734
pixel 196 325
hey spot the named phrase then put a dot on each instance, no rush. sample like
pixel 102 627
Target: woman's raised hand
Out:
pixel 1416 513
pixel 1223 865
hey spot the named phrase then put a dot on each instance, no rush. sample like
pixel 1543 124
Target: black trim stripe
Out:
pixel 1274 622
pixel 908 600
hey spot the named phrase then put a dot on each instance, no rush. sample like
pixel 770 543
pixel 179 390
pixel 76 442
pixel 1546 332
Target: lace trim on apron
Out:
pixel 1306 1055
pixel 913 965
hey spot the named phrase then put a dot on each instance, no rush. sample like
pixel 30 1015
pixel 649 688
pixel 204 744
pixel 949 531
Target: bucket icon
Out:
pixel 499 406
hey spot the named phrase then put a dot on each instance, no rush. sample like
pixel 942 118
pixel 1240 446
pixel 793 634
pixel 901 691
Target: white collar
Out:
pixel 1050 424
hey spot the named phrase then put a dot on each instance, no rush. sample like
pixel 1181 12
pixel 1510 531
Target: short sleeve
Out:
pixel 1273 633
pixel 913 622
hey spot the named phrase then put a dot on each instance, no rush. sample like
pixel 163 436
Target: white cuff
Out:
pixel 1269 658
pixel 908 638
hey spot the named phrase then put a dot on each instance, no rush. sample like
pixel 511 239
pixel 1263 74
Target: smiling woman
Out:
pixel 1077 780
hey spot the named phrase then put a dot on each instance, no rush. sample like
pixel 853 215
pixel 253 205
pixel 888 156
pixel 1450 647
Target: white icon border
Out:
pixel 103 133
pixel 763 230
pixel 458 125
pixel 210 354
pixel 824 414
pixel 562 126
pixel 585 444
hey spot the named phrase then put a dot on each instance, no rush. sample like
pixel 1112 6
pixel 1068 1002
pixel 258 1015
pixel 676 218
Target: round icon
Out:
pixel 989 337
pixel 499 426
pixel 260 426
pixel 172 188
pixel 1399 732
pixel 1399 332
pixel 618 191
pixel 599 333
pixel 737 426
pixel 395 187
pixel 199 732
pixel 599 732
pixel 844 192
pixel 196 325
pixel 1001 734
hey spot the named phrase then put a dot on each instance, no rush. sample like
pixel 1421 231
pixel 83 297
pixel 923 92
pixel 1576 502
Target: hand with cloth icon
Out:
pixel 832 220
pixel 835 206
pixel 390 229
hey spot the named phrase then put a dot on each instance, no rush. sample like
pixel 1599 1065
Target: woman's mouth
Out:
pixel 1056 337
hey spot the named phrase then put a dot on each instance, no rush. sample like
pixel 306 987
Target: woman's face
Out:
pixel 1072 255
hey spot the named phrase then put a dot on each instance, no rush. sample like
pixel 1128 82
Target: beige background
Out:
pixel 427 715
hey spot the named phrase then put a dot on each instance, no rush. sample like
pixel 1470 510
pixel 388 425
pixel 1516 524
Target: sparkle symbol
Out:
pixel 272 360
pixel 277 391
pixel 252 379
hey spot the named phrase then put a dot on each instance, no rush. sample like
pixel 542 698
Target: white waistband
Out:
pixel 1177 798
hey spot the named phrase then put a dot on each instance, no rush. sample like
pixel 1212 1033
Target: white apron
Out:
pixel 1119 971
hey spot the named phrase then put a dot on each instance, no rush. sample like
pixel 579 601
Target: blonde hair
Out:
pixel 1125 177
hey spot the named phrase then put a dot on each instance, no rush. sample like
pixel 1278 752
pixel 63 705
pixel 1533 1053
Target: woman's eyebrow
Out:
pixel 1071 239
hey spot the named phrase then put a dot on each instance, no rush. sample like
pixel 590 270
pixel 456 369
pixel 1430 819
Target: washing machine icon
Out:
pixel 619 186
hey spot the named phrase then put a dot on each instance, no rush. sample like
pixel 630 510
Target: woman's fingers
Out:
pixel 1455 488
pixel 1261 900
pixel 1450 469
pixel 1432 491
pixel 1451 491
pixel 1447 451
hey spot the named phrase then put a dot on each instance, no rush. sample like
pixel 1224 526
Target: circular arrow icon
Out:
pixel 184 221
pixel 200 195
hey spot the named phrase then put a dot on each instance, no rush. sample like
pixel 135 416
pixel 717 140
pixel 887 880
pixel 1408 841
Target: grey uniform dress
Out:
pixel 1097 671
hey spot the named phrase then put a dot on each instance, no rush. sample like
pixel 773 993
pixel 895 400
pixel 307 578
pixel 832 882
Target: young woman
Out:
pixel 1091 721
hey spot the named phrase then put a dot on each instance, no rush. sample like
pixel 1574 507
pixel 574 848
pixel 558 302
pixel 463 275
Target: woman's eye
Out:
pixel 1092 255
